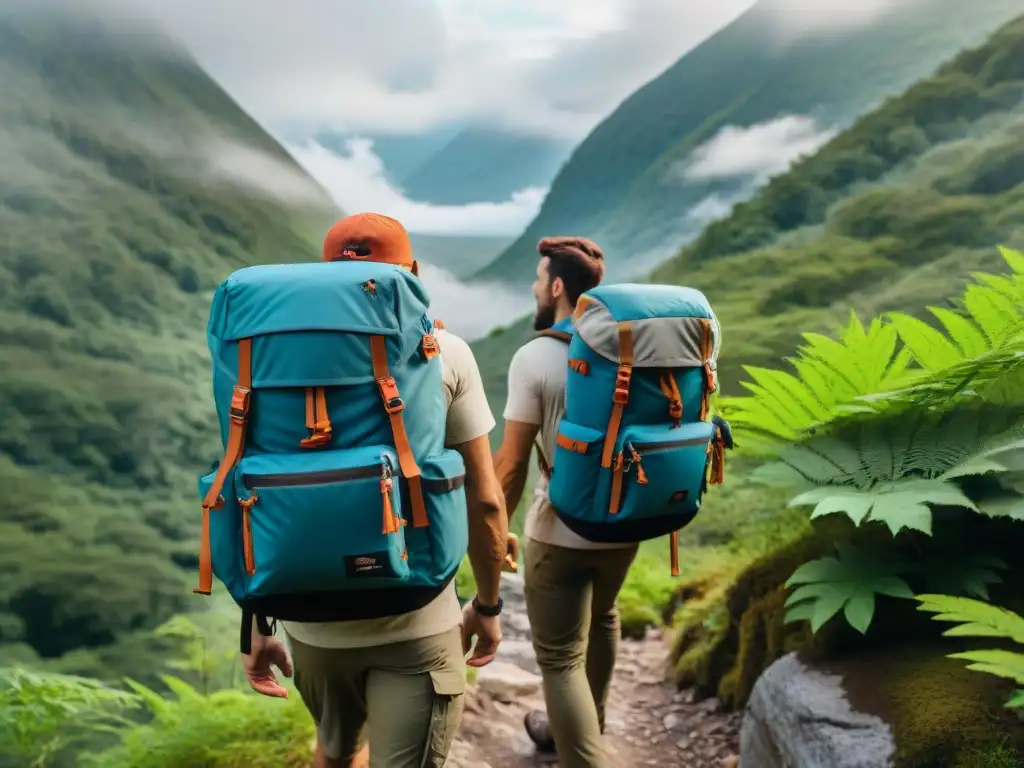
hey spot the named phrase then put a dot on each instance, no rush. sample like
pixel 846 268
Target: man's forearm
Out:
pixel 512 474
pixel 488 542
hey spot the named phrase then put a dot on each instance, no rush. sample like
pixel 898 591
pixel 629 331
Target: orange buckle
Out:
pixel 217 504
pixel 318 438
pixel 622 379
pixel 240 399
pixel 430 349
pixel 389 394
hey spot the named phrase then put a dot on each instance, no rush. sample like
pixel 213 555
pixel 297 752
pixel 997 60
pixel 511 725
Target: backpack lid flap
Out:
pixel 351 296
pixel 668 324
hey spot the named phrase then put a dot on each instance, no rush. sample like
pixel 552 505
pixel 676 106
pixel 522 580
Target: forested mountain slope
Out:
pixel 131 185
pixel 623 185
pixel 892 213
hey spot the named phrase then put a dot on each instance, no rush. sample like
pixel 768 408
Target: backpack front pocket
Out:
pixel 321 522
pixel 436 551
pixel 658 477
pixel 575 472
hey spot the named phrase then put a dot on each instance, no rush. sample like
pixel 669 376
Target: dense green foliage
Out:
pixel 622 185
pixel 894 456
pixel 114 235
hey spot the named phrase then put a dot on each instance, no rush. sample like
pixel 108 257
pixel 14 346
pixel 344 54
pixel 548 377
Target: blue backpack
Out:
pixel 327 382
pixel 636 448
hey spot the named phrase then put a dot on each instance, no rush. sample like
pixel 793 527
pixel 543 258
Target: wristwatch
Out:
pixel 487 610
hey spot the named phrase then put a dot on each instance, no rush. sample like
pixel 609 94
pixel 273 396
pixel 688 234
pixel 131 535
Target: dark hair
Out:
pixel 579 263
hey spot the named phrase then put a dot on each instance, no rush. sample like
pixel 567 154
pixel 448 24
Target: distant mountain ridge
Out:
pixel 131 185
pixel 618 186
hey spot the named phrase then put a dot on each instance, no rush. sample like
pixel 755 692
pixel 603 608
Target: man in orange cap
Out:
pixel 398 682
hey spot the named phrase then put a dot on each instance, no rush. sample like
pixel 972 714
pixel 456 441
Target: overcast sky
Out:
pixel 550 66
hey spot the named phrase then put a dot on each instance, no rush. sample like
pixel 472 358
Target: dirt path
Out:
pixel 650 723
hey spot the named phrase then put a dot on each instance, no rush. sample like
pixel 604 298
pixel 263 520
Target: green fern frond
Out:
pixel 975 617
pixel 1006 664
pixel 1014 259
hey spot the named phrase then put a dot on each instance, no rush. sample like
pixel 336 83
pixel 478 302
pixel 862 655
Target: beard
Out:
pixel 544 317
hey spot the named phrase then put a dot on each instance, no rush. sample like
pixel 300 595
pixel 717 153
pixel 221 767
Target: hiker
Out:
pixel 571 583
pixel 618 388
pixel 390 690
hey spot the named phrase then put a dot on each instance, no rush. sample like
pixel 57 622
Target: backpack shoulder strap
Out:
pixel 556 334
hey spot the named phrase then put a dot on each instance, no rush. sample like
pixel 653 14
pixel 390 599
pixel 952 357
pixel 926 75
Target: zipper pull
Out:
pixel 247 548
pixel 641 476
pixel 391 521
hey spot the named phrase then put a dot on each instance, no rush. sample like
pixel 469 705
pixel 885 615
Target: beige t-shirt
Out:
pixel 469 417
pixel 536 395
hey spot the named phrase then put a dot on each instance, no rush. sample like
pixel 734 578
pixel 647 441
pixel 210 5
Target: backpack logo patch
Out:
pixel 678 497
pixel 368 565
pixel 369 287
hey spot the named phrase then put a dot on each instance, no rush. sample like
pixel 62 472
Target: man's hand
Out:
pixel 487 630
pixel 267 652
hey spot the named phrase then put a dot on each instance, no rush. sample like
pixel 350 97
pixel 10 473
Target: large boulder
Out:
pixel 799 717
pixel 902 707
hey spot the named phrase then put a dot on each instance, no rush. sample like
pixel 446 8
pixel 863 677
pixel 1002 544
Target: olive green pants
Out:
pixel 571 601
pixel 405 698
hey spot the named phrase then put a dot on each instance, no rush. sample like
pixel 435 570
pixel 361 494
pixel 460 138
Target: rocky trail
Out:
pixel 650 723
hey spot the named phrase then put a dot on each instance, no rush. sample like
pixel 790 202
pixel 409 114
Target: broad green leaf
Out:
pixel 855 506
pixel 859 610
pixel 827 606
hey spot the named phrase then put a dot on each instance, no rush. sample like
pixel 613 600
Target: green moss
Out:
pixel 943 715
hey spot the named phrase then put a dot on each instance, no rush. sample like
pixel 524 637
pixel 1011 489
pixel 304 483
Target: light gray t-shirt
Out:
pixel 536 395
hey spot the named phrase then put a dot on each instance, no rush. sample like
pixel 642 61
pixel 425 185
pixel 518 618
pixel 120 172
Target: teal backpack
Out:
pixel 336 498
pixel 636 447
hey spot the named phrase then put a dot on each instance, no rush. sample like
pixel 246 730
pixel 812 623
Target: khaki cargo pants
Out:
pixel 571 601
pixel 406 698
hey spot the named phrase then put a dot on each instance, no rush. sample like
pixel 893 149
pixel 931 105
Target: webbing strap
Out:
pixel 621 396
pixel 670 389
pixel 239 422
pixel 317 419
pixel 707 348
pixel 673 543
pixel 617 477
pixel 394 406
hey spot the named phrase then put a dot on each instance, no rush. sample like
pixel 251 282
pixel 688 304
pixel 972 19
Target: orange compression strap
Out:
pixel 621 396
pixel 673 543
pixel 576 446
pixel 394 406
pixel 617 477
pixel 670 389
pixel 317 419
pixel 239 421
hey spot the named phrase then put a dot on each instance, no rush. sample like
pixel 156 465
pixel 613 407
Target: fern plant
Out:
pixel 44 714
pixel 975 618
pixel 899 364
pixel 830 375
pixel 893 472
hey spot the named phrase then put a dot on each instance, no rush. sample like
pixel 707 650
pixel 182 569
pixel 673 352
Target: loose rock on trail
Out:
pixel 649 722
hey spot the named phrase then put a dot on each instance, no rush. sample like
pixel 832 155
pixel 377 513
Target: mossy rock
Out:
pixel 729 632
pixel 943 715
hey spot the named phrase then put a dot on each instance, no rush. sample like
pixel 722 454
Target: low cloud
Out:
pixel 358 181
pixel 472 310
pixel 754 152
pixel 223 162
pixel 796 18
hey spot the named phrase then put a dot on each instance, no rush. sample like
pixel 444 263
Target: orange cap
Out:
pixel 370 237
